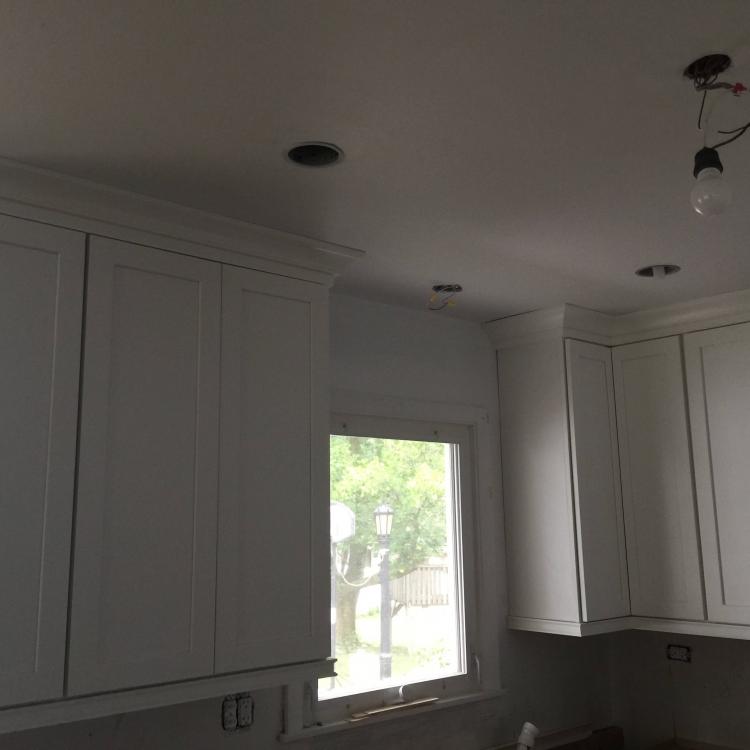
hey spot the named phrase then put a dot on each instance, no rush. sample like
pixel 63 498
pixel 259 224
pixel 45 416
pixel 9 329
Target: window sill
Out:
pixel 347 724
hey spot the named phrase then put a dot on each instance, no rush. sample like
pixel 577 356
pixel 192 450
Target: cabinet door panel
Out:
pixel 718 373
pixel 41 293
pixel 272 604
pixel 144 562
pixel 657 481
pixel 596 481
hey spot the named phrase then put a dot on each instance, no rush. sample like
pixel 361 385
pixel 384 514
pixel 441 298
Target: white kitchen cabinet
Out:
pixel 273 552
pixel 41 294
pixel 718 374
pixel 563 515
pixel 145 535
pixel 657 481
pixel 110 438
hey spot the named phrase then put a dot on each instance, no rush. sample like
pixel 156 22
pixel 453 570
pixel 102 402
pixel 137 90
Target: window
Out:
pixel 402 602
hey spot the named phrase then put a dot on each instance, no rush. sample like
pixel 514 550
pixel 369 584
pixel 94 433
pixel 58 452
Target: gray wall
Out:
pixel 555 681
pixel 705 701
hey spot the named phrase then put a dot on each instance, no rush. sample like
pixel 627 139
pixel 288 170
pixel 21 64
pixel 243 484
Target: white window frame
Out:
pixel 467 426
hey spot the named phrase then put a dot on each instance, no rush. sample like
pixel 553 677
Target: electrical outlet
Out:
pixel 679 653
pixel 245 710
pixel 229 714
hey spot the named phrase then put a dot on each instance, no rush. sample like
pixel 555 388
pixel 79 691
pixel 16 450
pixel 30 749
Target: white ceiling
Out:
pixel 536 151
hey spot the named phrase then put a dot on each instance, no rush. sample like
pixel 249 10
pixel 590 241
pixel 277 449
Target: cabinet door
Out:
pixel 41 295
pixel 596 482
pixel 273 558
pixel 144 558
pixel 718 374
pixel 657 481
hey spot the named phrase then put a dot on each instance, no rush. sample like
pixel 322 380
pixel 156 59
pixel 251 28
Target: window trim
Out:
pixel 399 418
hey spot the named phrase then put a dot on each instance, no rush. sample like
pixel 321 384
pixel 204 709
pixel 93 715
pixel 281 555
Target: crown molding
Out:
pixel 566 321
pixel 570 321
pixel 43 195
pixel 683 317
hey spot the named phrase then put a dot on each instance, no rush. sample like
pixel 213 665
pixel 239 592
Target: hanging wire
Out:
pixel 700 113
pixel 706 86
pixel 738 131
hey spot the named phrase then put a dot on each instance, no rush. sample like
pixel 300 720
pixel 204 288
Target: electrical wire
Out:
pixel 736 130
pixel 700 113
pixel 739 132
pixel 443 303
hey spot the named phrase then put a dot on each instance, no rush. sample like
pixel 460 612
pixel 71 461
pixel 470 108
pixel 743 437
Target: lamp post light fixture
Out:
pixel 383 527
pixel 383 522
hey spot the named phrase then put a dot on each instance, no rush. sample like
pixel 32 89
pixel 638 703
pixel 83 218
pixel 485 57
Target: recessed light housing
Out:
pixel 658 271
pixel 447 288
pixel 315 154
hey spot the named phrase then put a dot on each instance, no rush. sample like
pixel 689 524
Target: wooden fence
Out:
pixel 426 586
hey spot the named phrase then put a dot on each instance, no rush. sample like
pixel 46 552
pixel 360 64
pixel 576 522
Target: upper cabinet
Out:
pixel 565 541
pixel 201 542
pixel 273 553
pixel 656 432
pixel 41 295
pixel 659 505
pixel 164 513
pixel 145 536
pixel 718 373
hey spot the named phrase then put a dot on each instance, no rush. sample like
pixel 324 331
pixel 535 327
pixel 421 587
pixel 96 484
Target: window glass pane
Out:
pixel 396 616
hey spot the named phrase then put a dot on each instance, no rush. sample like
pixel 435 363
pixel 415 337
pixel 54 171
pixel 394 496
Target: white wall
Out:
pixel 706 701
pixel 555 681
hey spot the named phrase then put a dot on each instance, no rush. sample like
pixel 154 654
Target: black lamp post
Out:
pixel 383 526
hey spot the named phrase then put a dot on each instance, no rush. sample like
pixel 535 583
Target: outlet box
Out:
pixel 679 653
pixel 245 710
pixel 229 714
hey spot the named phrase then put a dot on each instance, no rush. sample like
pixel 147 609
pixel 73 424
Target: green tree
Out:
pixel 408 475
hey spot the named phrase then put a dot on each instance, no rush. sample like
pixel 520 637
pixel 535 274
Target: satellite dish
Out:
pixel 343 523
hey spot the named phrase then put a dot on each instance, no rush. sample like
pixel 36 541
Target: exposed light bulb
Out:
pixel 710 195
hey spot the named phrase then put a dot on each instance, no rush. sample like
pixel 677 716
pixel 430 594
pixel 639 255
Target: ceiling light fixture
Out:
pixel 315 154
pixel 710 194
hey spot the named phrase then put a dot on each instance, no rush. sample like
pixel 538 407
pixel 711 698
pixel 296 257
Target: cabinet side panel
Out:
pixel 657 481
pixel 718 369
pixel 596 478
pixel 539 526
